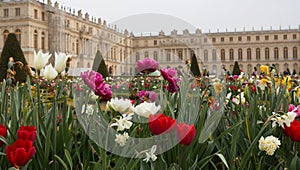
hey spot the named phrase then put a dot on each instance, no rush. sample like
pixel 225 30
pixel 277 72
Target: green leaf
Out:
pixel 69 159
pixel 223 159
pixel 61 161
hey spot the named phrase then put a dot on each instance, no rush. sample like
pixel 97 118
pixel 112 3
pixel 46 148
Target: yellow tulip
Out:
pixel 264 69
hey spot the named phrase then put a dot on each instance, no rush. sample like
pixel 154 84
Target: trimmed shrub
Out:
pixel 99 65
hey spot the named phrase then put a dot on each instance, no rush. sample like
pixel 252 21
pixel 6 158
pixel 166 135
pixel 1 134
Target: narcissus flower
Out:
pixel 27 132
pixel 269 144
pixel 20 152
pixel 121 139
pixel 293 131
pixel 3 131
pixel 159 123
pixel 146 65
pixel 185 133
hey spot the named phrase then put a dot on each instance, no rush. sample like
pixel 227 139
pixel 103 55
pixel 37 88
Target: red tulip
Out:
pixel 3 131
pixel 160 123
pixel 27 132
pixel 293 131
pixel 20 152
pixel 185 133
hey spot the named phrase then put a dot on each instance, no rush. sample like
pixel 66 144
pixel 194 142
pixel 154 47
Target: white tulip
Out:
pixel 60 61
pixel 119 105
pixel 40 59
pixel 145 109
pixel 50 73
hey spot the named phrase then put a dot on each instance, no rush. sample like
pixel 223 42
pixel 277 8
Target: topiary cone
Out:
pixel 194 66
pixel 99 65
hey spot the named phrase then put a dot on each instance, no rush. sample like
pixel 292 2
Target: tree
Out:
pixel 99 65
pixel 236 69
pixel 194 66
pixel 13 49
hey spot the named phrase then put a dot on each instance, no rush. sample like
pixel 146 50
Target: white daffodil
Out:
pixel 123 123
pixel 119 105
pixel 50 73
pixel 40 59
pixel 145 109
pixel 60 61
pixel 285 119
pixel 151 155
pixel 122 139
pixel 269 144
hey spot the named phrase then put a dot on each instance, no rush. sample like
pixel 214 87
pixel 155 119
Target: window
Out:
pixel 205 40
pixel 5 12
pixel 168 56
pixel 35 39
pixel 285 37
pixel 155 56
pixel 43 16
pixel 77 26
pixel 257 53
pixel 266 37
pixel 146 54
pixel 214 55
pixel 77 46
pixel 285 53
pixel 275 37
pixel 294 36
pixel 249 54
pixel 267 53
pixel 240 38
pixel 18 12
pixel 222 55
pixel 43 41
pixel 222 39
pixel 257 38
pixel 18 35
pixel 155 42
pixel 35 14
pixel 276 54
pixel 213 39
pixel 295 53
pixel 137 56
pixel 180 55
pixel 240 54
pixel 248 38
pixel 5 34
pixel 231 54
pixel 230 39
pixel 205 55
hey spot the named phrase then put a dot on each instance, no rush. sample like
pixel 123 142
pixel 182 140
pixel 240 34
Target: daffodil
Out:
pixel 50 73
pixel 269 144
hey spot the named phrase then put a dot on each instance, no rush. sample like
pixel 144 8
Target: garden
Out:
pixel 154 120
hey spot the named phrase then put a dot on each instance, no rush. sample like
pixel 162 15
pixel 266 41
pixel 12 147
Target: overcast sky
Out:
pixel 204 14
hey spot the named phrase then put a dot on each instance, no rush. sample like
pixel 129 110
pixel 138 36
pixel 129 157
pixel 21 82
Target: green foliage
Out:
pixel 99 65
pixel 195 67
pixel 236 69
pixel 13 49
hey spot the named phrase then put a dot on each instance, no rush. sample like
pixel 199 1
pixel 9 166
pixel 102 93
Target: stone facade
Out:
pixel 50 27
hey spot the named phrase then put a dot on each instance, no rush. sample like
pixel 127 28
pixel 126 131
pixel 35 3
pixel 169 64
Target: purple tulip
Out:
pixel 146 65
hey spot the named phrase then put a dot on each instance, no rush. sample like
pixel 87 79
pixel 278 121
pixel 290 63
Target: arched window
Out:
pixel 267 53
pixel 276 53
pixel 240 54
pixel 35 39
pixel 295 53
pixel 295 67
pixel 231 67
pixel 241 67
pixel 205 55
pixel 285 53
pixel 285 66
pixel 257 53
pixel 249 69
pixel 18 35
pixel 231 54
pixel 222 55
pixel 249 54
pixel 43 41
pixel 5 34
pixel 214 55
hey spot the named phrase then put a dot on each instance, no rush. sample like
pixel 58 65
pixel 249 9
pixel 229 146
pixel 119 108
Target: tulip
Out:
pixel 3 131
pixel 185 133
pixel 293 131
pixel 20 152
pixel 27 132
pixel 146 65
pixel 50 73
pixel 60 61
pixel 159 123
pixel 40 59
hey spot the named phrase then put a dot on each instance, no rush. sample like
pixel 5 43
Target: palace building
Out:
pixel 50 27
